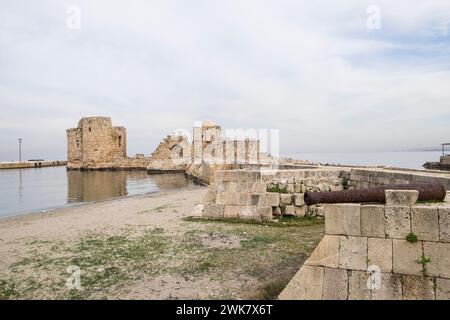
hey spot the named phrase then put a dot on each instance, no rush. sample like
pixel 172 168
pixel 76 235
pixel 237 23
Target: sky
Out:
pixel 330 75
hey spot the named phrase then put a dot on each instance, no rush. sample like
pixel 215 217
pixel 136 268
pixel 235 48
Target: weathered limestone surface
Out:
pixel 353 253
pixel 390 289
pixel 307 284
pixel 343 219
pixel 398 222
pixel 335 284
pixel 357 285
pixel 383 267
pixel 425 222
pixel 401 197
pixel 418 288
pixel 406 256
pixel 444 224
pixel 373 221
pixel 442 289
pixel 326 253
pixel 439 255
pixel 380 253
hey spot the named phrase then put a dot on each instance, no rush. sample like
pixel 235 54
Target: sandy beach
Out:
pixel 147 247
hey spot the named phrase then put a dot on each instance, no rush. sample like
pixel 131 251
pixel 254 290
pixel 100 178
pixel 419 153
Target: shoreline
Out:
pixel 50 210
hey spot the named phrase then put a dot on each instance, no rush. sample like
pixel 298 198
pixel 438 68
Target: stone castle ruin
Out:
pixel 96 144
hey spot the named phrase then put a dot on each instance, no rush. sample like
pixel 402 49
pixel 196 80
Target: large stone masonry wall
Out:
pixel 243 194
pixel 365 254
pixel 369 178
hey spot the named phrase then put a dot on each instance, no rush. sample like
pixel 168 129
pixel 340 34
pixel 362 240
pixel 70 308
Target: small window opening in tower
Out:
pixel 90 129
pixel 120 141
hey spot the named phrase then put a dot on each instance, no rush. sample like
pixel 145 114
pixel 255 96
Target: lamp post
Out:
pixel 20 149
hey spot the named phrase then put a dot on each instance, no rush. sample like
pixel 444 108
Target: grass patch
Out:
pixel 262 251
pixel 276 189
pixel 283 222
pixel 412 238
pixel 8 289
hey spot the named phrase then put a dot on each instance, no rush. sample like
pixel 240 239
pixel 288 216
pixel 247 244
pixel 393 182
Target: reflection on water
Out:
pixel 27 190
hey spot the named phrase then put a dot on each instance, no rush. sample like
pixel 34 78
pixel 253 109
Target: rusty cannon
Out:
pixel 427 192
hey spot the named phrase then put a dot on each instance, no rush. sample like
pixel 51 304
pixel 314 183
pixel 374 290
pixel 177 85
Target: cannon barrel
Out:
pixel 427 192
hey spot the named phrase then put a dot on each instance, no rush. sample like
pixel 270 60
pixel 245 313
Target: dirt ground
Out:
pixel 148 247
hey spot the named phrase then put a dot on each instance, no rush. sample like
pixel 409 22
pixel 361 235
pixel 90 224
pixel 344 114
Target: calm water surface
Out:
pixel 410 160
pixel 29 190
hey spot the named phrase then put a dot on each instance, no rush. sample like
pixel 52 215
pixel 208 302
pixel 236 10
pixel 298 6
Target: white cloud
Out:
pixel 311 69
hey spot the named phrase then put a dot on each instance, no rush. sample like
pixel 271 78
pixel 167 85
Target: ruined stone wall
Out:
pixel 172 154
pixel 379 252
pixel 266 194
pixel 369 178
pixel 292 185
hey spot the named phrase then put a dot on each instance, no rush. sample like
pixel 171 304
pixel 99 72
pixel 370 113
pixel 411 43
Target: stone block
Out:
pixel 227 198
pixel 227 187
pixel 398 222
pixel 229 176
pixel 357 285
pixel 447 197
pixel 299 199
pixel 210 197
pixel 231 212
pixel 439 255
pixel 218 176
pixel 198 210
pixel 249 176
pixel 307 284
pixel 214 211
pixel 289 211
pixel 401 197
pixel 290 188
pixel 380 253
pixel 258 187
pixel 335 284
pixel 271 199
pixel 326 253
pixel 245 199
pixel 444 224
pixel 373 221
pixel 442 289
pixel 418 288
pixel 300 211
pixel 353 253
pixel 406 256
pixel 425 222
pixel 390 288
pixel 254 213
pixel 343 219
pixel 285 199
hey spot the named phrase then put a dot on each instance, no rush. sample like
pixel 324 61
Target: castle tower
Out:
pixel 95 142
